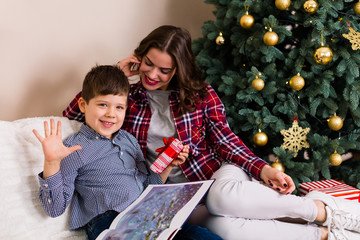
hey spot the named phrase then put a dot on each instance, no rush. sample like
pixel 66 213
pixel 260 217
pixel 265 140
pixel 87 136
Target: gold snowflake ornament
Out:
pixel 295 138
pixel 354 38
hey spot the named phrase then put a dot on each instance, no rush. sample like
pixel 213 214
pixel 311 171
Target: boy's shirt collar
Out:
pixel 91 133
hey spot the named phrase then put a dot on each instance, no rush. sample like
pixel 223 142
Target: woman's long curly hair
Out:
pixel 187 79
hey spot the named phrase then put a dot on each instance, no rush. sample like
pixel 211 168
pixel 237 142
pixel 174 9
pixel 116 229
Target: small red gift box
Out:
pixel 331 187
pixel 167 154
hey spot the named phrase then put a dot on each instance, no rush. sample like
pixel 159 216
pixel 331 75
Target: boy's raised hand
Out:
pixel 53 147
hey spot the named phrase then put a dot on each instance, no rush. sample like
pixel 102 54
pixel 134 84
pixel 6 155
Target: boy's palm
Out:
pixel 52 144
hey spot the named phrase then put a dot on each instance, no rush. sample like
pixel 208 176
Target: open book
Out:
pixel 158 213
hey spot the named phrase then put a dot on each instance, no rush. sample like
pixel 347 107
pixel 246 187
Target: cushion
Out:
pixel 22 215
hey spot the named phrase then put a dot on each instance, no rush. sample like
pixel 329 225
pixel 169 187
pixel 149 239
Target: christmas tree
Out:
pixel 287 72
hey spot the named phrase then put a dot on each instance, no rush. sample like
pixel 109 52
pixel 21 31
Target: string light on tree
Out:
pixel 247 21
pixel 282 4
pixel 270 38
pixel 220 39
pixel 310 6
pixel 297 82
pixel 295 138
pixel 335 122
pixel 257 84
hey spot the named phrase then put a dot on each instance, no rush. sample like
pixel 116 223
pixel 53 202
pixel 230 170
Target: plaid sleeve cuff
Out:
pixel 72 111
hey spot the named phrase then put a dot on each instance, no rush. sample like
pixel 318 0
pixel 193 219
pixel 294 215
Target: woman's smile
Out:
pixel 150 81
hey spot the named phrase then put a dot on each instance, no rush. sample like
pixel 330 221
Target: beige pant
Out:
pixel 243 208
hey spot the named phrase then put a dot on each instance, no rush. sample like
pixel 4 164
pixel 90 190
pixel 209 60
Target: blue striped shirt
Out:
pixel 106 174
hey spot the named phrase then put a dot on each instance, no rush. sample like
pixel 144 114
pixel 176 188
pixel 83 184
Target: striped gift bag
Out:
pixel 331 187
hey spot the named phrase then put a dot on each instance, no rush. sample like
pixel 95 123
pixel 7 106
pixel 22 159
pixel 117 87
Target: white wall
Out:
pixel 47 46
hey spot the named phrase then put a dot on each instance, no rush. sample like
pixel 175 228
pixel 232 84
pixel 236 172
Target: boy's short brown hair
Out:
pixel 104 80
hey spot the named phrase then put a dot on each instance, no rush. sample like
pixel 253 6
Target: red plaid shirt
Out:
pixel 205 130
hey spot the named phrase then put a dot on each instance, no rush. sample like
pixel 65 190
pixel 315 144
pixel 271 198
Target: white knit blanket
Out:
pixel 21 156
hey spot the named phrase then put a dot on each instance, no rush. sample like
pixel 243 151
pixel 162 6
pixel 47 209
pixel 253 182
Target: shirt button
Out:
pixel 46 185
pixel 49 200
pixel 97 137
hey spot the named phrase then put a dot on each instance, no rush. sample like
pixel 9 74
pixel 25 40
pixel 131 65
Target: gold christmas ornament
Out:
pixel 335 159
pixel 335 123
pixel 282 4
pixel 270 38
pixel 260 139
pixel 310 6
pixel 297 82
pixel 220 39
pixel 353 37
pixel 257 84
pixel 323 55
pixel 247 21
pixel 278 165
pixel 295 138
pixel 356 8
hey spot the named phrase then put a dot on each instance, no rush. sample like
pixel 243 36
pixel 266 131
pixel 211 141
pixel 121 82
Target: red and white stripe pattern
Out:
pixel 331 187
pixel 167 155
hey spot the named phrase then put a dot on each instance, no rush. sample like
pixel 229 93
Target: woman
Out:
pixel 172 100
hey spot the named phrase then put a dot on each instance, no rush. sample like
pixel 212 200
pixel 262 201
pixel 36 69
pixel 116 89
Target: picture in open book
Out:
pixel 158 213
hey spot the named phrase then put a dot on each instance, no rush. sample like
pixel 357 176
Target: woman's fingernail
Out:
pixel 285 185
pixel 278 189
pixel 270 183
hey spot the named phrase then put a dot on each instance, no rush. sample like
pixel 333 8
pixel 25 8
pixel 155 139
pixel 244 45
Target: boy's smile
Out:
pixel 104 113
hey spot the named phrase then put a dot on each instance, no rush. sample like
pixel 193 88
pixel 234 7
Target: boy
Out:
pixel 101 168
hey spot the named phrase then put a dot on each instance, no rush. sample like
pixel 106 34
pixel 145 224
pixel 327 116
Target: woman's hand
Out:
pixel 277 180
pixel 53 147
pixel 130 65
pixel 183 155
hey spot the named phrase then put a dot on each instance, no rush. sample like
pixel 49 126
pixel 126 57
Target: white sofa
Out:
pixel 21 213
